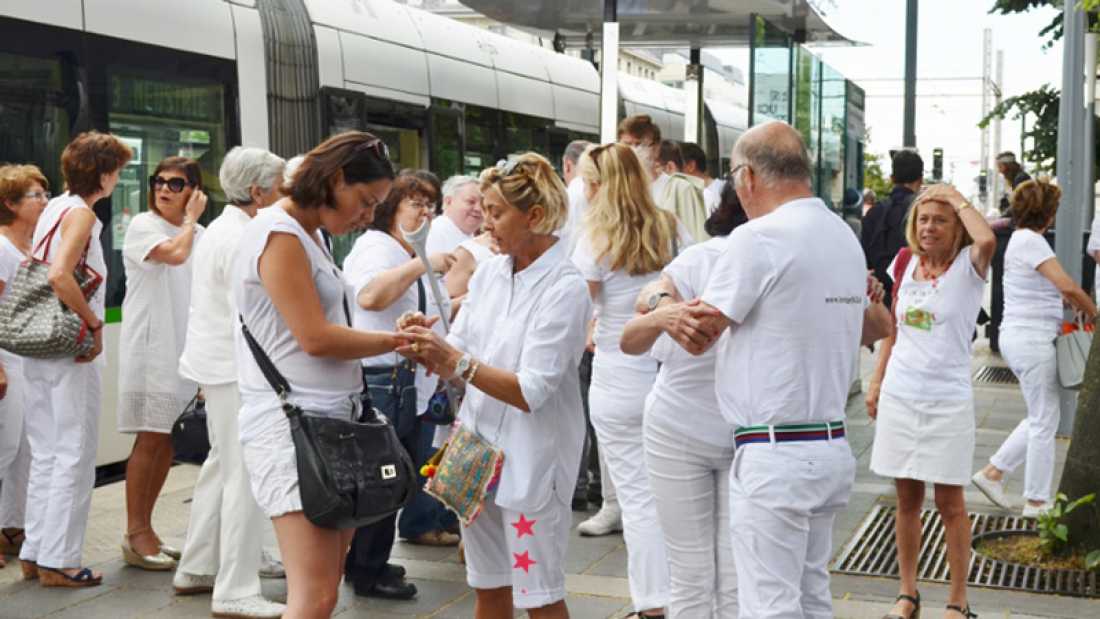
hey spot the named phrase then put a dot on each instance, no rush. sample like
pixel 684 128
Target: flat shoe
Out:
pixel 436 538
pixel 159 562
pixel 397 590
pixel 11 543
pixel 51 577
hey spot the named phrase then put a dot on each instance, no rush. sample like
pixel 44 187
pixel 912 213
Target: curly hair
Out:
pixel 1034 203
pixel 15 181
pixel 88 157
pixel 409 184
pixel 528 181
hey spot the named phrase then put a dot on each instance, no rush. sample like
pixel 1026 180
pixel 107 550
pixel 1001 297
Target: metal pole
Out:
pixel 987 78
pixel 996 181
pixel 609 72
pixel 1074 178
pixel 693 91
pixel 910 106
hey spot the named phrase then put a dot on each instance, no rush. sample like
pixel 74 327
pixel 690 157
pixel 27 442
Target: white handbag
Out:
pixel 1073 353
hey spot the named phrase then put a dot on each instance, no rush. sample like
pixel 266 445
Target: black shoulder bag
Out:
pixel 351 473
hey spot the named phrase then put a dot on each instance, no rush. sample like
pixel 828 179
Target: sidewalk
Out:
pixel 596 567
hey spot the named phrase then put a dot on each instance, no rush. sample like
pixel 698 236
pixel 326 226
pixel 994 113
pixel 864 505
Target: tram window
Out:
pixel 344 113
pixel 482 146
pixel 446 143
pixel 34 125
pixel 157 119
pixel 526 133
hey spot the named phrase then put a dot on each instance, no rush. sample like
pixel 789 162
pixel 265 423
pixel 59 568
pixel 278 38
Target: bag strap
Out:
pixel 901 263
pixel 421 297
pixel 274 378
pixel 46 240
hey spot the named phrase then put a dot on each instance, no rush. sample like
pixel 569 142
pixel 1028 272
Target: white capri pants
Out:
pixel 1031 355
pixel 224 536
pixel 15 450
pixel 63 431
pixel 783 500
pixel 617 403
pixel 690 480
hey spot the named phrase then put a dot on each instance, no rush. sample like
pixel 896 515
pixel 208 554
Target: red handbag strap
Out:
pixel 48 240
pixel 901 262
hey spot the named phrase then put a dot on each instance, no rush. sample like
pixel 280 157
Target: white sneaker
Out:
pixel 255 607
pixel 270 567
pixel 190 584
pixel 993 490
pixel 1034 511
pixel 606 521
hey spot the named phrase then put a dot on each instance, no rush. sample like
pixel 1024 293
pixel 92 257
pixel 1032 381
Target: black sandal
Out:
pixel 55 577
pixel 965 612
pixel 914 614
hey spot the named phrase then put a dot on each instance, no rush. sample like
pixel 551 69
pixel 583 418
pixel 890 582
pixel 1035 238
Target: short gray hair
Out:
pixel 574 150
pixel 456 182
pixel 780 158
pixel 245 167
pixel 291 168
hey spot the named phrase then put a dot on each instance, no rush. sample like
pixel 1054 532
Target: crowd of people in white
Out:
pixel 701 332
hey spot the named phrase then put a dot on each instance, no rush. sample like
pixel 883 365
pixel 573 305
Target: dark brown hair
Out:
pixel 642 127
pixel 188 167
pixel 670 152
pixel 89 156
pixel 1034 203
pixel 15 181
pixel 407 185
pixel 361 156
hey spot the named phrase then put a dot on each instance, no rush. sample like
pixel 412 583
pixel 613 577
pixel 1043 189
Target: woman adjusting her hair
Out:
pixel 516 344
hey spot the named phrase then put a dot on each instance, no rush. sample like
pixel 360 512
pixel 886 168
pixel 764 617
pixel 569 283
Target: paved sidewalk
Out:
pixel 596 567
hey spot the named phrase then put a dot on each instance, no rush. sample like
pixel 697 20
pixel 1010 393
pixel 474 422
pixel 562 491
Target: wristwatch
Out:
pixel 463 365
pixel 655 299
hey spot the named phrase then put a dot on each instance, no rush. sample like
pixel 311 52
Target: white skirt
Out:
pixel 927 440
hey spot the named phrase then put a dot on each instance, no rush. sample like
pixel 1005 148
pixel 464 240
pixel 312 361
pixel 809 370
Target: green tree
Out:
pixel 873 176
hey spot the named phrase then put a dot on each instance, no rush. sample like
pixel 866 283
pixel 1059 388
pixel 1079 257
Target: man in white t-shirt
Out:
pixel 462 215
pixel 574 186
pixel 792 290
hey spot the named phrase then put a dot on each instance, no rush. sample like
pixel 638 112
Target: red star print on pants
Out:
pixel 524 527
pixel 523 561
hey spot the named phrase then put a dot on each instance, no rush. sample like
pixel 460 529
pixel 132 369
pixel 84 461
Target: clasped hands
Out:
pixel 417 342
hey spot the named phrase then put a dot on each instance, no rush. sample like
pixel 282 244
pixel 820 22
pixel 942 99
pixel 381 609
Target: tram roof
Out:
pixel 665 23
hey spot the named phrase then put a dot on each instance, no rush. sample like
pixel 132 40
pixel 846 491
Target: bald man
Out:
pixel 790 294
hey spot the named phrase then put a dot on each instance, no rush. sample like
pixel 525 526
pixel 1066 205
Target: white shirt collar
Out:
pixel 538 269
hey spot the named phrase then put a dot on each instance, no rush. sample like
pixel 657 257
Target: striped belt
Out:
pixel 789 432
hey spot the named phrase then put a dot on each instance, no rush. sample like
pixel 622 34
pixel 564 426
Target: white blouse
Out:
pixel 531 323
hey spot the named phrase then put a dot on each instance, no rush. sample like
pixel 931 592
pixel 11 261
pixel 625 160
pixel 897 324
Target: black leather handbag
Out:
pixel 190 437
pixel 351 472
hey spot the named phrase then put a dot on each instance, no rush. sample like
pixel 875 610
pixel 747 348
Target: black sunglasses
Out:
pixel 175 184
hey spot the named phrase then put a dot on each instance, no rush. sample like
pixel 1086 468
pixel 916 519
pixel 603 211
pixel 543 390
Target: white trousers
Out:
pixel 15 450
pixel 783 500
pixel 690 479
pixel 617 417
pixel 225 533
pixel 1031 355
pixel 63 430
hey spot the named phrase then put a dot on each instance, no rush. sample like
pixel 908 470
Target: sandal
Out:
pixel 30 569
pixel 913 614
pixel 965 612
pixel 55 577
pixel 11 543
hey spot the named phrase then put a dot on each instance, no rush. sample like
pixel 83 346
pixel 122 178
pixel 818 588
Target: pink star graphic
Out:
pixel 523 561
pixel 524 527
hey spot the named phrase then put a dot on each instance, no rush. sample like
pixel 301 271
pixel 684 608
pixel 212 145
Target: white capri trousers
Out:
pixel 15 450
pixel 63 432
pixel 224 536
pixel 690 480
pixel 1031 355
pixel 617 413
pixel 783 500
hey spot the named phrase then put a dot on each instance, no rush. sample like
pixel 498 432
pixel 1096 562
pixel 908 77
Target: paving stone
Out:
pixel 614 564
pixel 120 604
pixel 431 596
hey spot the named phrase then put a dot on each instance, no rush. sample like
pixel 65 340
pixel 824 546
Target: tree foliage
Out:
pixel 1041 107
pixel 873 176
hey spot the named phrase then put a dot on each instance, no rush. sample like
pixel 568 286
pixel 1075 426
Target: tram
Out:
pixel 197 77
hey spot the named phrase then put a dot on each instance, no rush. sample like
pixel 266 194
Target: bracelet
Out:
pixel 469 378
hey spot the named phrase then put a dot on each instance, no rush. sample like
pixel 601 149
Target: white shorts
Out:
pixel 521 550
pixel 927 440
pixel 273 468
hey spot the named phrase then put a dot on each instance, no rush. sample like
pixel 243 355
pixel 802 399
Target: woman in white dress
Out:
pixel 626 242
pixel 293 298
pixel 516 344
pixel 1034 285
pixel 65 393
pixel 921 392
pixel 152 394
pixel 23 196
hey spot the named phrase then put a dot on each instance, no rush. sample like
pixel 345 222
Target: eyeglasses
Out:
pixel 43 196
pixel 731 176
pixel 174 184
pixel 424 204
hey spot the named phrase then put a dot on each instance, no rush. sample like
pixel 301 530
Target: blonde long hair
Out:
pixel 623 224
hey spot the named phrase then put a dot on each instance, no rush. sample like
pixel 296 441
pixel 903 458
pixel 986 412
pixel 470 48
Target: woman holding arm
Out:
pixel 516 343
pixel 921 391
pixel 1035 285
pixel 292 298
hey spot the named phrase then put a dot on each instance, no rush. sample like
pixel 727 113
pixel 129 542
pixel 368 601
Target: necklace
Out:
pixel 927 272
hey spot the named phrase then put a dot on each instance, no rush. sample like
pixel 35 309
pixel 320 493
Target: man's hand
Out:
pixel 694 325
pixel 876 292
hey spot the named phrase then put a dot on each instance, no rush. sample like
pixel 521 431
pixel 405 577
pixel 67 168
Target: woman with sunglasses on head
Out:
pixel 688 446
pixel 294 300
pixel 64 394
pixel 626 242
pixel 23 197
pixel 388 280
pixel 152 394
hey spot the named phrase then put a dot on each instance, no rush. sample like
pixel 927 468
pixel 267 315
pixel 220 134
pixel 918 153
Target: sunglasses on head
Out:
pixel 175 184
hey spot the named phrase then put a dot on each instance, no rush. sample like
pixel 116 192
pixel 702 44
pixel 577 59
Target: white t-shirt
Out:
pixel 318 384
pixel 10 259
pixel 794 284
pixel 712 195
pixel 1093 247
pixel 154 325
pixel 578 206
pixel 931 358
pixel 53 212
pixel 1030 298
pixel 683 397
pixel 444 236
pixel 531 323
pixel 208 357
pixel 373 253
pixel 657 188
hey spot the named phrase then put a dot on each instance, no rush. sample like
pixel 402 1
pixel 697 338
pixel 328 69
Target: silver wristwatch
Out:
pixel 655 299
pixel 463 365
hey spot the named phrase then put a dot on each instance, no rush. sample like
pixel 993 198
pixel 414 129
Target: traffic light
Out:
pixel 937 164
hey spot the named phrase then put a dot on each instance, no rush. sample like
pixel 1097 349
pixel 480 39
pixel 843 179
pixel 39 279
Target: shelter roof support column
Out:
pixel 693 91
pixel 609 73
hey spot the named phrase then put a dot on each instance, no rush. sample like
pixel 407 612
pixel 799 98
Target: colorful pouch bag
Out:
pixel 464 473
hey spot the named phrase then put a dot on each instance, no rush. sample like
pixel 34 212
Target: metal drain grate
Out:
pixel 871 552
pixel 993 375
